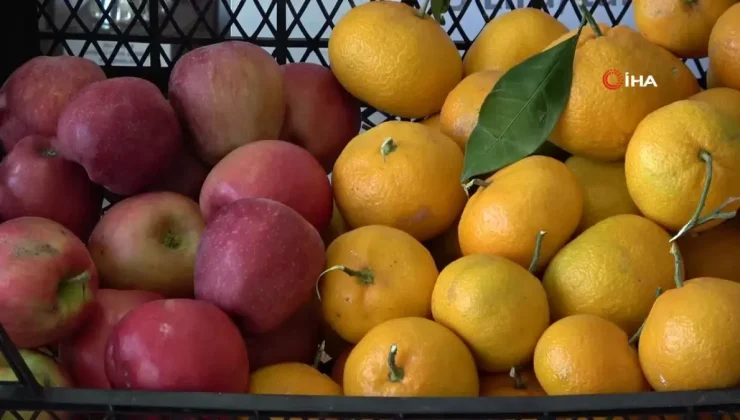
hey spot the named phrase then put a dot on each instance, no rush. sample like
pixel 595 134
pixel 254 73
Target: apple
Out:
pixel 273 169
pixel 177 345
pixel 34 96
pixel 83 354
pixel 320 115
pixel 122 131
pixel 227 94
pixel 295 340
pixel 185 175
pixel 36 181
pixel 47 282
pixel 259 260
pixel 148 242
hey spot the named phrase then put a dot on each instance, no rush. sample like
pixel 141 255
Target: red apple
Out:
pixel 295 340
pixel 148 242
pixel 122 131
pixel 227 94
pixel 273 169
pixel 47 281
pixel 320 115
pixel 83 354
pixel 258 259
pixel 35 95
pixel 177 345
pixel 185 175
pixel 36 181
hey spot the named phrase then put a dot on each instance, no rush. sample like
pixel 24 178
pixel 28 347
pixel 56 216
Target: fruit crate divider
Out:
pixel 26 380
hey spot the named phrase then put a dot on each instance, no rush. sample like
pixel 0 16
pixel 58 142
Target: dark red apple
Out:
pixel 177 345
pixel 258 259
pixel 47 281
pixel 227 94
pixel 148 242
pixel 83 354
pixel 273 169
pixel 122 131
pixel 185 175
pixel 320 115
pixel 36 181
pixel 295 340
pixel 35 95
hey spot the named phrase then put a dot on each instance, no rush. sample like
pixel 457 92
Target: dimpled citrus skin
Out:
pixel 680 26
pixel 503 385
pixel 404 276
pixel 724 48
pixel 497 307
pixel 713 253
pixel 612 270
pixel 536 193
pixel 725 100
pixel 433 122
pixel 586 354
pixel 291 379
pixel 383 53
pixel 605 191
pixel 691 339
pixel 436 362
pixel 665 175
pixel 460 111
pixel 415 188
pixel 598 122
pixel 511 38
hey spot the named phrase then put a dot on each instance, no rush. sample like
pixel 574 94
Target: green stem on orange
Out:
pixel 396 372
pixel 636 336
pixel 518 382
pixel 589 18
pixel 537 247
pixel 707 158
pixel 474 182
pixel 387 147
pixel 364 276
pixel 678 273
pixel 423 8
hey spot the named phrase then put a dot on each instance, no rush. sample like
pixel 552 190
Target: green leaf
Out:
pixel 439 8
pixel 522 109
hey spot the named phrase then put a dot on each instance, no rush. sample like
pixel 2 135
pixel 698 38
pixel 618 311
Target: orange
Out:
pixel 586 354
pixel 597 122
pixel 612 270
pixel 713 253
pixel 497 307
pixel 503 385
pixel 410 357
pixel 724 48
pixel 605 191
pixel 291 379
pixel 725 100
pixel 691 339
pixel 432 122
pixel 665 174
pixel 400 174
pixel 396 61
pixel 534 194
pixel 459 114
pixel 336 226
pixel 386 274
pixel 511 38
pixel 680 26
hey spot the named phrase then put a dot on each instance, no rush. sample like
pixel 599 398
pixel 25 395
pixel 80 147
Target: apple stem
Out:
pixel 678 273
pixel 387 147
pixel 474 182
pixel 636 336
pixel 365 276
pixel 49 152
pixel 589 18
pixel 396 372
pixel 518 382
pixel 690 2
pixel 537 247
pixel 171 241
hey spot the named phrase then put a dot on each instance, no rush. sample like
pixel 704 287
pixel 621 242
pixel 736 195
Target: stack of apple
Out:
pixel 204 267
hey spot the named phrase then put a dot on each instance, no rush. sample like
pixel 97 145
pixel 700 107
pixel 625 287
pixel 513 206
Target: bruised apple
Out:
pixel 47 282
pixel 258 260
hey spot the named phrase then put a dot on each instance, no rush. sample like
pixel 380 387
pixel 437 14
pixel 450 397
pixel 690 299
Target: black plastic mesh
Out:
pixel 145 37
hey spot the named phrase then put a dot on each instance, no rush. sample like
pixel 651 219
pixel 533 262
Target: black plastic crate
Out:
pixel 168 28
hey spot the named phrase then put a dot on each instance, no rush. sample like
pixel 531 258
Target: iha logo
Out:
pixel 614 79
